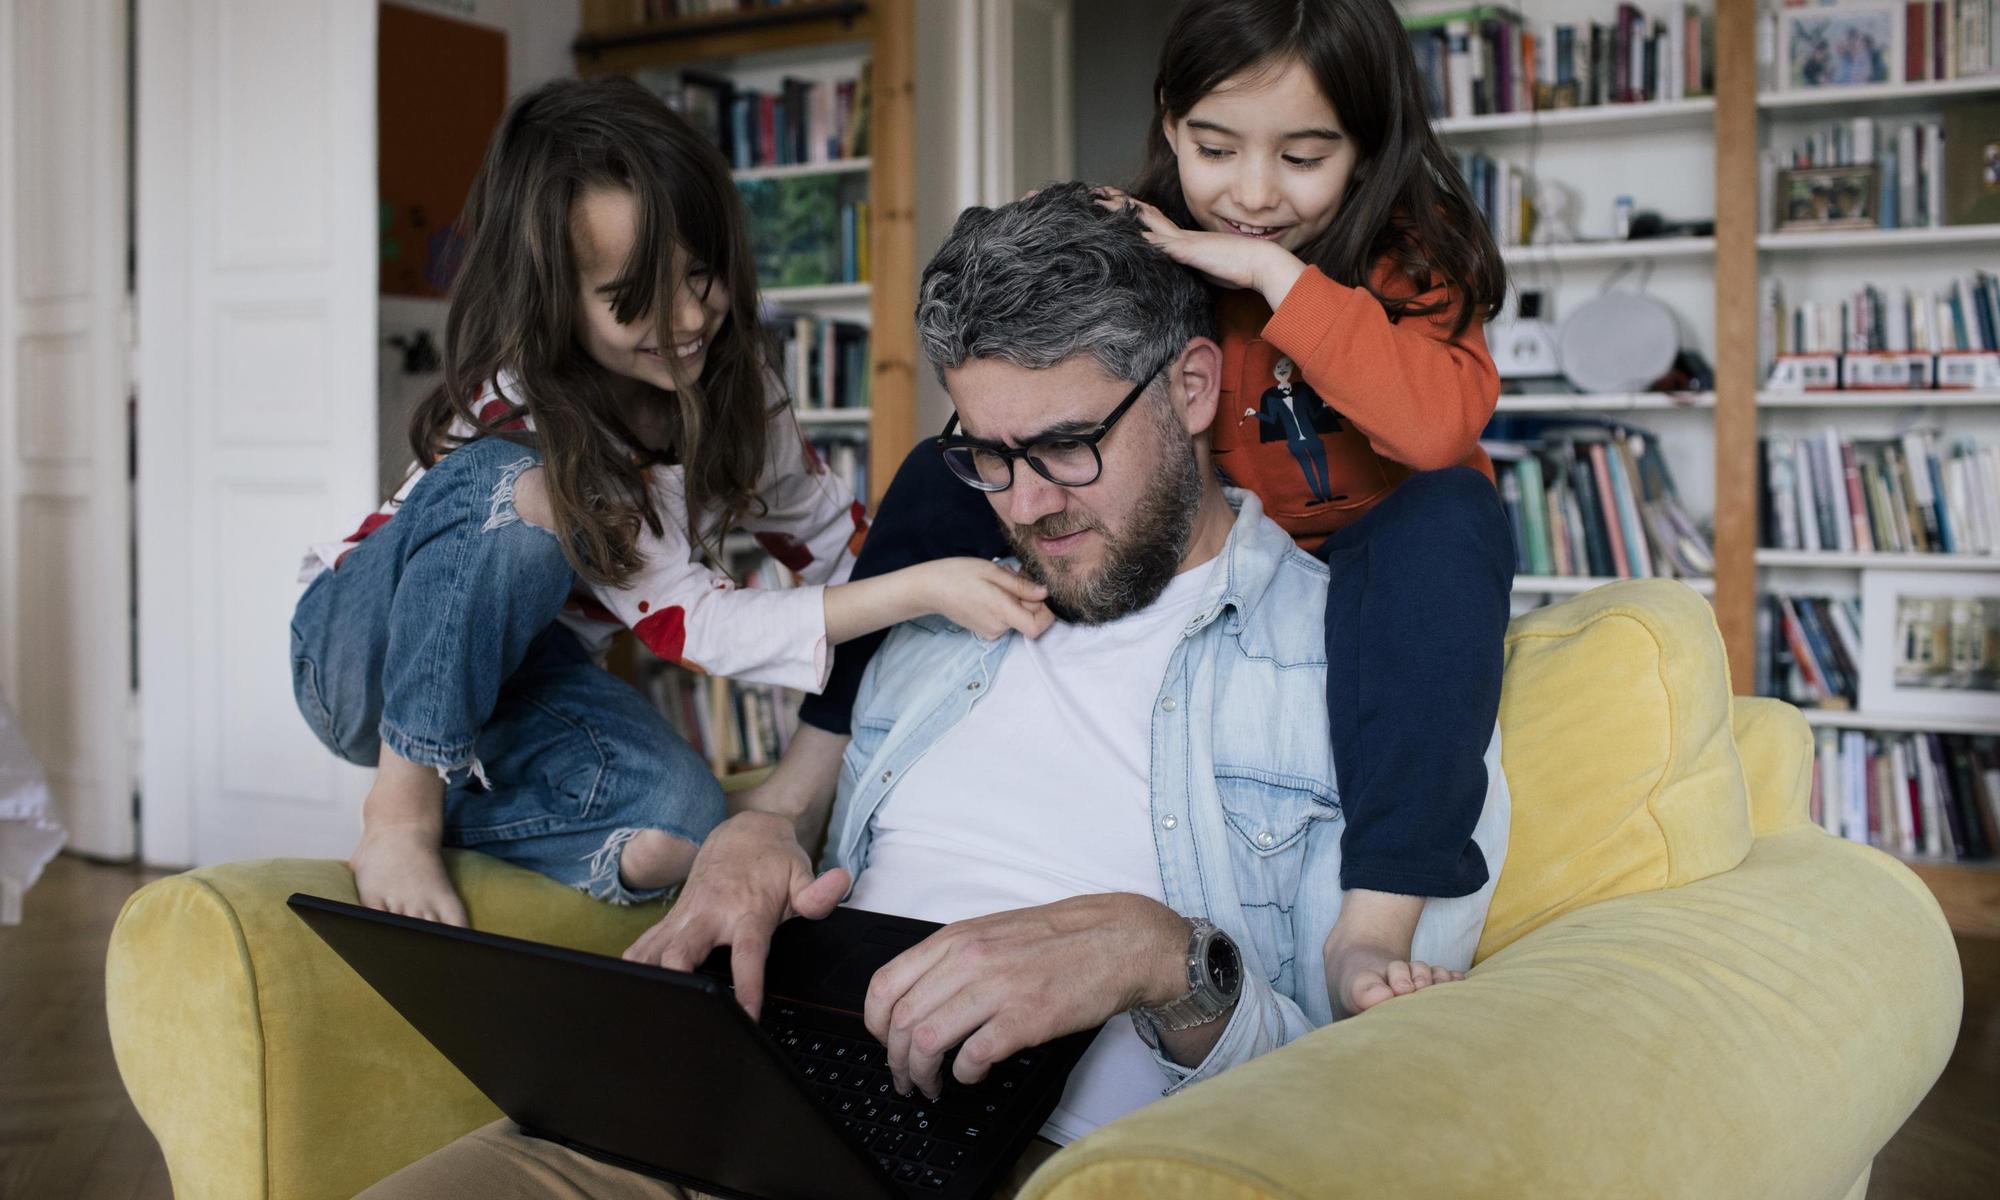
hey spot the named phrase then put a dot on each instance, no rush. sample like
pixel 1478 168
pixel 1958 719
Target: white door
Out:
pixel 257 292
pixel 65 576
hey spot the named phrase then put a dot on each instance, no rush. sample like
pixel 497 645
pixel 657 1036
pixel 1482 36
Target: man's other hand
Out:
pixel 750 877
pixel 1003 983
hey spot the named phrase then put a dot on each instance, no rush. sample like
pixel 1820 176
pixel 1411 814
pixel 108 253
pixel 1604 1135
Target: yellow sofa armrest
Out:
pixel 1776 746
pixel 1761 1032
pixel 265 1067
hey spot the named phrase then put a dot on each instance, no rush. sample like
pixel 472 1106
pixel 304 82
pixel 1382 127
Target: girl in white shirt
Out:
pixel 607 416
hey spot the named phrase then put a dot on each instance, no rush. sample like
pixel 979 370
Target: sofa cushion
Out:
pixel 1615 736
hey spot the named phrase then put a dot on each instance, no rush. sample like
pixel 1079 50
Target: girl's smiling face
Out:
pixel 603 225
pixel 1264 155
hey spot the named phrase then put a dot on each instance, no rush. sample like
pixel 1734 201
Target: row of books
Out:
pixel 806 121
pixel 1504 193
pixel 846 455
pixel 1599 501
pixel 1948 39
pixel 653 11
pixel 1909 181
pixel 1911 494
pixel 808 230
pixel 1930 794
pixel 1488 59
pixel 735 726
pixel 1809 650
pixel 824 363
pixel 1964 315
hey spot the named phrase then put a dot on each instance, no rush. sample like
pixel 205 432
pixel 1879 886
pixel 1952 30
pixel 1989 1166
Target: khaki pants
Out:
pixel 498 1162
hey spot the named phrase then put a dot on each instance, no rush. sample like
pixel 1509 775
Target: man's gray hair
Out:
pixel 1055 275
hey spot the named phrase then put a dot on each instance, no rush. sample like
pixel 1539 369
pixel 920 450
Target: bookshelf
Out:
pixel 812 38
pixel 1755 116
pixel 1651 150
pixel 737 726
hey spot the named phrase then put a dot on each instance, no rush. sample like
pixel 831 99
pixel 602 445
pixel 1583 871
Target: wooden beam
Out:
pixel 892 235
pixel 1736 294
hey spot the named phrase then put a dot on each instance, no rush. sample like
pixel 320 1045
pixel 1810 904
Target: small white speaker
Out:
pixel 1618 342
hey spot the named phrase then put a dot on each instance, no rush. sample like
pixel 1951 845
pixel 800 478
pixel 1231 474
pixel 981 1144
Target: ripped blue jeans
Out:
pixel 437 636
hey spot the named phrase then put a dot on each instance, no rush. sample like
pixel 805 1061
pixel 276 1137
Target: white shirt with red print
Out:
pixel 684 610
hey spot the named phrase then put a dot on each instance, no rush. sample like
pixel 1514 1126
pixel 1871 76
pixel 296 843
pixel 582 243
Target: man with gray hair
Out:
pixel 1128 822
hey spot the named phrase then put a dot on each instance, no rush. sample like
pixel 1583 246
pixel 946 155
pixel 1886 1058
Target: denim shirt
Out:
pixel 1246 815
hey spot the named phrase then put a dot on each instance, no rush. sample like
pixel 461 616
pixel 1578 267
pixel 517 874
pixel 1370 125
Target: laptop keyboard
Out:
pixel 919 1142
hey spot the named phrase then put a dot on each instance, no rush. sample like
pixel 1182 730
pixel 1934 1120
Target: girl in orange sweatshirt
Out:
pixel 1292 163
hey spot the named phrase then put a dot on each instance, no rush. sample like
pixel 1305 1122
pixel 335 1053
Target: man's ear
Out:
pixel 1197 383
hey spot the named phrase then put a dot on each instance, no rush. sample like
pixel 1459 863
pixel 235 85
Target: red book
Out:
pixel 1916 17
pixel 1857 507
pixel 1795 637
pixel 767 130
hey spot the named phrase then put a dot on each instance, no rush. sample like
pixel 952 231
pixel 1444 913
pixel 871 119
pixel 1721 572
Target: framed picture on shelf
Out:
pixel 1930 643
pixel 1851 45
pixel 1814 198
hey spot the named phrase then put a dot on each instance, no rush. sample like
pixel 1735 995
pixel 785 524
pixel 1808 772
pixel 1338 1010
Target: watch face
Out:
pixel 1225 968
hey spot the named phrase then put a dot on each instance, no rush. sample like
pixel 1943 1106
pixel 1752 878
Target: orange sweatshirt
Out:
pixel 1327 404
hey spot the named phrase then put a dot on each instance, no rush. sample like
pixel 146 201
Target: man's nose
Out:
pixel 1032 497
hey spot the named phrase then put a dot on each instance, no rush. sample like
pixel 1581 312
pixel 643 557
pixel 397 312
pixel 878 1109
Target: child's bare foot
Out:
pixel 1361 974
pixel 398 869
pixel 654 859
pixel 1367 952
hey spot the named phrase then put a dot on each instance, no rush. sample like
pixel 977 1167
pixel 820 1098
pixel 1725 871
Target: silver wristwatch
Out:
pixel 1215 979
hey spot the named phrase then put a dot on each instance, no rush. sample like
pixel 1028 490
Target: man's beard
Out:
pixel 1137 565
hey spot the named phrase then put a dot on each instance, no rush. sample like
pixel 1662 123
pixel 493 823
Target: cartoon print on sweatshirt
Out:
pixel 1292 413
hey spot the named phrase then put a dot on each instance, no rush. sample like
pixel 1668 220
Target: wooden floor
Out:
pixel 67 1130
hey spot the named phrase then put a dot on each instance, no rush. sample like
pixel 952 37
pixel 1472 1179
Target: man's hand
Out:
pixel 750 877
pixel 1005 982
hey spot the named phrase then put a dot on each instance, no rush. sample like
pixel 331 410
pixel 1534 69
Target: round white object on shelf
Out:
pixel 1618 342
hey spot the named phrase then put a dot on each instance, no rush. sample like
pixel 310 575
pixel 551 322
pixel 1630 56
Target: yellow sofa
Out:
pixel 1684 988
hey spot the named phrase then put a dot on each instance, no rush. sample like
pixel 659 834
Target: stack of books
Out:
pixel 805 121
pixel 1913 494
pixel 825 363
pixel 1504 193
pixel 1809 650
pixel 1936 795
pixel 1487 59
pixel 1598 501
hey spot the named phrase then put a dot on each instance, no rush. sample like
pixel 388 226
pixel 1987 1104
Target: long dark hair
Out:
pixel 1405 200
pixel 514 308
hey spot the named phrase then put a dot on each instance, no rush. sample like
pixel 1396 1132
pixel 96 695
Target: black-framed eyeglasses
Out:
pixel 1067 459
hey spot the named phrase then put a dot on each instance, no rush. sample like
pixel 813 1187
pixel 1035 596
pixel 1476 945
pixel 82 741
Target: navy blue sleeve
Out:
pixel 927 514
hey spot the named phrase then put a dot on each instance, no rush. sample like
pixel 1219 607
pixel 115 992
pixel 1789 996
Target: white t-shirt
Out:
pixel 1040 793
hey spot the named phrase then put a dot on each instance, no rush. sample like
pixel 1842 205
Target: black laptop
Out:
pixel 663 1073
